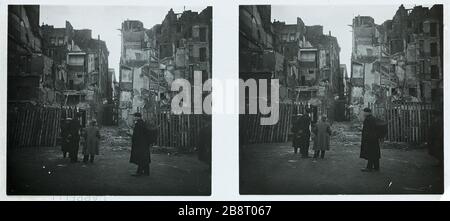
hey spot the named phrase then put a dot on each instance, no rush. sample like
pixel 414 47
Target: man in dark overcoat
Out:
pixel 140 146
pixel 436 137
pixel 65 142
pixel 74 139
pixel 305 123
pixel 370 144
pixel 296 133
pixel 204 150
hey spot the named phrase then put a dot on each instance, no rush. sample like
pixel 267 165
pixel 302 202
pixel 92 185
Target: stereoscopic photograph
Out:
pixel 99 100
pixel 343 99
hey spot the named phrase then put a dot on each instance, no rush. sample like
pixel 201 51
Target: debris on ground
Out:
pixel 349 134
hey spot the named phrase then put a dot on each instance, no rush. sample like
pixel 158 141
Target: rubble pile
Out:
pixel 115 138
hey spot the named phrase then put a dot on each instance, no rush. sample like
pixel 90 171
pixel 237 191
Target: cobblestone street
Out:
pixel 274 169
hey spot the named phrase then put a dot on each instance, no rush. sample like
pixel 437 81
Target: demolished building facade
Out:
pixel 303 58
pixel 399 60
pixel 84 62
pixel 152 59
pixel 33 77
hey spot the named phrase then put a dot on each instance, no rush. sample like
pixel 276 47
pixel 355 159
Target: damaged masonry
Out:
pixel 400 60
pixel 152 59
pixel 360 108
pixel 89 108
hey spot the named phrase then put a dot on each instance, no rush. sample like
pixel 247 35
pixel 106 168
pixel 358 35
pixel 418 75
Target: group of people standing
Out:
pixel 320 132
pixel 304 129
pixel 73 136
pixel 143 136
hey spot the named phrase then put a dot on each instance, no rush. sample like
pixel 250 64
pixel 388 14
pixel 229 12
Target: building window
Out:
pixel 292 37
pixel 394 91
pixel 138 56
pixel 433 29
pixel 188 33
pixel 204 76
pixel 434 94
pixel 434 72
pixel 60 41
pixel 203 34
pixel 191 51
pixel 433 49
pixel 311 71
pixel 421 46
pixel 393 68
pixel 413 92
pixel 52 41
pixel 422 67
pixel 202 54
pixel 419 28
pixel 409 39
pixel 410 24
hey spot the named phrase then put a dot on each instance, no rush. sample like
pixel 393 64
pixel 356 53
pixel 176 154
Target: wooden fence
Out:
pixel 407 122
pixel 32 126
pixel 180 131
pixel 251 130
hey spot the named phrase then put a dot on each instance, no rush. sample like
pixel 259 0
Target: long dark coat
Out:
pixel 370 144
pixel 92 141
pixel 204 151
pixel 301 131
pixel 322 132
pixel 73 135
pixel 436 139
pixel 65 142
pixel 140 144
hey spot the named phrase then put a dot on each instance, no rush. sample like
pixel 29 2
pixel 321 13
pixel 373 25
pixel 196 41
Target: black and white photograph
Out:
pixel 98 100
pixel 341 99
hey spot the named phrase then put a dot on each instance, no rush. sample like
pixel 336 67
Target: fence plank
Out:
pixel 407 122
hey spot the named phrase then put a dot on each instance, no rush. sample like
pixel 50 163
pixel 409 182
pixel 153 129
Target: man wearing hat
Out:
pixel 302 133
pixel 74 138
pixel 140 146
pixel 91 142
pixel 370 145
pixel 65 136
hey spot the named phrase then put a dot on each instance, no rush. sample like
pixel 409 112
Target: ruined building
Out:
pixel 32 75
pixel 399 60
pixel 303 58
pixel 81 64
pixel 152 59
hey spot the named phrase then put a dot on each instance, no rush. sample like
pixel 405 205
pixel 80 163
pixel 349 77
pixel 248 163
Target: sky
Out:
pixel 335 19
pixel 105 20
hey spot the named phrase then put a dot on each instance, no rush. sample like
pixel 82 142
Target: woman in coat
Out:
pixel 91 142
pixel 322 133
